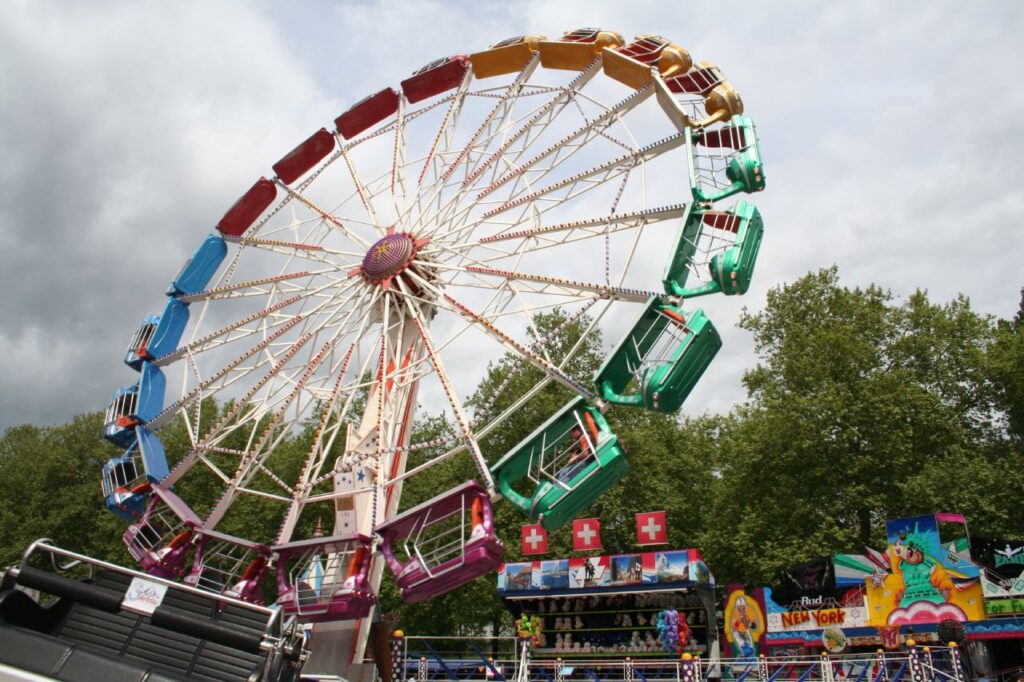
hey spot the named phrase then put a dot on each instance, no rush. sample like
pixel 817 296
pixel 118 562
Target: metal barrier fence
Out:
pixel 431 659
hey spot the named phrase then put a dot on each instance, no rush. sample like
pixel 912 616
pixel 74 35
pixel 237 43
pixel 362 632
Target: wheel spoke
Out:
pixel 256 287
pixel 602 171
pixel 614 221
pixel 545 113
pixel 255 459
pixel 575 140
pixel 511 344
pixel 446 385
pixel 503 107
pixel 566 285
pixel 451 118
pixel 200 391
pixel 207 341
pixel 364 195
pixel 398 162
pixel 328 217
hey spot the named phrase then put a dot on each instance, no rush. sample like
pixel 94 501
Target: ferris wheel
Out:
pixel 382 265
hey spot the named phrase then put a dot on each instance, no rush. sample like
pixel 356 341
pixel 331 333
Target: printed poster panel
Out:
pixel 1004 563
pixel 672 567
pixel 592 571
pixel 744 624
pixel 517 577
pixel 700 574
pixel 536 580
pixel 627 569
pixel 647 568
pixel 817 619
pixel 551 575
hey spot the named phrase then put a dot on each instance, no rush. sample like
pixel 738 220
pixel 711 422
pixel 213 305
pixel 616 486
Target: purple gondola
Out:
pixel 161 540
pixel 448 541
pixel 324 579
pixel 229 565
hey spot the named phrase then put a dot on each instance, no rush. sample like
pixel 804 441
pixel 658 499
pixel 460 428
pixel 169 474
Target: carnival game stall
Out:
pixel 647 605
pixel 933 584
pixel 819 604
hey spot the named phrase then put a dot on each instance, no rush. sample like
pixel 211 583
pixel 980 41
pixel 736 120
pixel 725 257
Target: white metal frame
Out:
pixel 511 180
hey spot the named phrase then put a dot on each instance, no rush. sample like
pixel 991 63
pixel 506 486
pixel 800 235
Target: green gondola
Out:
pixel 744 169
pixel 568 461
pixel 732 267
pixel 659 361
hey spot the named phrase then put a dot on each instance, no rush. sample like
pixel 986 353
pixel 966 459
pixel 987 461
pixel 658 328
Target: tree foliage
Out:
pixel 860 409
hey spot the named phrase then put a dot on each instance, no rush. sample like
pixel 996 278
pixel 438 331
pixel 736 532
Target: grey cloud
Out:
pixel 126 131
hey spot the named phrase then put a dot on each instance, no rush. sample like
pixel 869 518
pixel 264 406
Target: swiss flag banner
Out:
pixel 651 528
pixel 586 535
pixel 535 539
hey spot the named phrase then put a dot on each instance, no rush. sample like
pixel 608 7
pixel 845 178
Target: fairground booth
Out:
pixel 645 605
pixel 933 584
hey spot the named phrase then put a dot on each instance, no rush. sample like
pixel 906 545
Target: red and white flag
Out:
pixel 586 535
pixel 535 539
pixel 651 528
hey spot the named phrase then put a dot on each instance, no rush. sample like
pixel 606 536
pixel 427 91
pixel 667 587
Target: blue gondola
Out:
pixel 137 347
pixel 127 479
pixel 198 270
pixel 134 405
pixel 125 487
pixel 158 334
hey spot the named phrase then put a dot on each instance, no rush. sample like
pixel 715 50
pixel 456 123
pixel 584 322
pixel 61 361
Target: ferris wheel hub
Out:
pixel 389 257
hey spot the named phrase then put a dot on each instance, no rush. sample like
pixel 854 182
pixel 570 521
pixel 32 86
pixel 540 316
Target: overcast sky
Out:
pixel 891 134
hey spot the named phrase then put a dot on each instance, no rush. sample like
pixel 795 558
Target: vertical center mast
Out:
pixel 376 450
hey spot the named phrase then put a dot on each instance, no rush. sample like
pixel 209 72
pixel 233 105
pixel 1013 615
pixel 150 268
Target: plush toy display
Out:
pixel 529 626
pixel 643 624
pixel 673 631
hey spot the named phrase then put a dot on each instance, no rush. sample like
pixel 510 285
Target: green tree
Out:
pixel 860 409
pixel 1007 372
pixel 50 487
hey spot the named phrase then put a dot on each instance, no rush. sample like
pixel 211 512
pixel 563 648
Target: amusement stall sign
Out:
pixel 1005 575
pixel 645 570
pixel 817 618
pixel 926 582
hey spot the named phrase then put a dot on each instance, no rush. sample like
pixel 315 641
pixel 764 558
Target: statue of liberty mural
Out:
pixel 923 578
